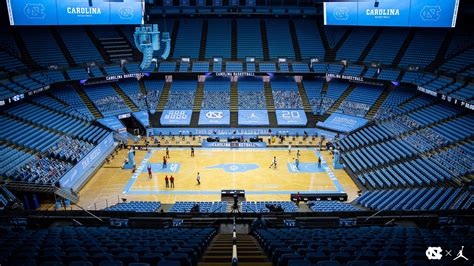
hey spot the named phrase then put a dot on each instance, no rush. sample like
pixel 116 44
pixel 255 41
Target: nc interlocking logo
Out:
pixel 126 13
pixel 434 253
pixel 35 11
pixel 215 115
pixel 341 13
pixel 430 13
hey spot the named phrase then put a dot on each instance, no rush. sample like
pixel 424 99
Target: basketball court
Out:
pixel 219 168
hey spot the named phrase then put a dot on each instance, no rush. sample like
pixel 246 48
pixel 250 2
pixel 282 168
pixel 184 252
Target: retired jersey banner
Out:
pixel 291 117
pixel 176 117
pixel 75 12
pixel 214 118
pixel 253 118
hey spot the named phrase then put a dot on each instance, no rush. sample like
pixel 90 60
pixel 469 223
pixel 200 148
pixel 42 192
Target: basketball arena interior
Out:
pixel 236 132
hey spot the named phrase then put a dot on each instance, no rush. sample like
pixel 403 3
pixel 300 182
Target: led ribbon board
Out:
pixel 75 12
pixel 395 13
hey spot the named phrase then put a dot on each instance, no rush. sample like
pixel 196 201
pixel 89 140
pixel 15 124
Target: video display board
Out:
pixel 74 12
pixel 395 13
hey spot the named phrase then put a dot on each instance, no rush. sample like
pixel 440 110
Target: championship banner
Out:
pixel 291 117
pixel 176 117
pixel 214 118
pixel 253 118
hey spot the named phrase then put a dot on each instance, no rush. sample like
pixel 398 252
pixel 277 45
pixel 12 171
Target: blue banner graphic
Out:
pixel 176 117
pixel 79 174
pixel 253 118
pixel 143 118
pixel 214 118
pixel 291 117
pixel 113 123
pixel 408 13
pixel 206 144
pixel 343 123
pixel 74 12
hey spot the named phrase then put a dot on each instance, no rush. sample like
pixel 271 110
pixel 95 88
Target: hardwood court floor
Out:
pixel 220 169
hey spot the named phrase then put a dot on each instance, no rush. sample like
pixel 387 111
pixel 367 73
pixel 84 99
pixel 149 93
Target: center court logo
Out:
pixel 434 253
pixel 215 114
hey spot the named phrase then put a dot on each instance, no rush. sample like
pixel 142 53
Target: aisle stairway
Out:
pixel 197 104
pixel 404 47
pixel 234 40
pixel 336 105
pixel 376 106
pixel 62 46
pixel 24 53
pixel 125 97
pixel 369 46
pixel 270 104
pixel 234 104
pixel 263 32
pixel 219 251
pixel 202 47
pixel 98 45
pixel 294 39
pixel 88 102
pixel 164 97
pixel 306 104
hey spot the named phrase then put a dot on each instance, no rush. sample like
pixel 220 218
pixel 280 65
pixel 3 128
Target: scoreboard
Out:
pixel 75 12
pixel 395 13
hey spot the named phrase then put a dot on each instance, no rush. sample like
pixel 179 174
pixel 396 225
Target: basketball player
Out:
pixel 167 182
pixel 172 181
pixel 274 163
pixel 164 162
pixel 150 175
pixel 192 152
pixel 297 164
pixel 167 153
pixel 298 154
pixel 289 148
pixel 198 179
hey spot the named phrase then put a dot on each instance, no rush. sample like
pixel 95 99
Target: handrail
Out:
pixel 90 213
pixel 235 259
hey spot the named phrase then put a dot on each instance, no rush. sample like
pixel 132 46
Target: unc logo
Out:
pixel 215 115
pixel 126 13
pixel 434 253
pixel 341 13
pixel 430 13
pixel 35 11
